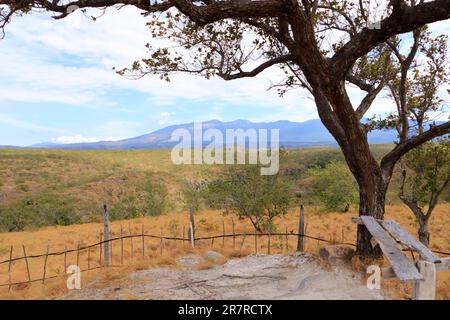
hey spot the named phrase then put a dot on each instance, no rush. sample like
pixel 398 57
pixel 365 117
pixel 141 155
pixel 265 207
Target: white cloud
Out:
pixel 70 60
pixel 165 117
pixel 39 70
pixel 78 138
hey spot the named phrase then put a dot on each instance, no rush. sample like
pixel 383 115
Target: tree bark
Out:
pixel 372 180
pixel 424 232
pixel 422 219
pixel 371 203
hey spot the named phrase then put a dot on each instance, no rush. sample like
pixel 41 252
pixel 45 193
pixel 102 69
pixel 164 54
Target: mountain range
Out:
pixel 292 135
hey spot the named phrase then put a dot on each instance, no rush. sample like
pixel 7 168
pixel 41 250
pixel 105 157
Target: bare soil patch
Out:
pixel 294 276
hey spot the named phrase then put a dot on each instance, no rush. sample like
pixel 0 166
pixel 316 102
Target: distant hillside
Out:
pixel 292 135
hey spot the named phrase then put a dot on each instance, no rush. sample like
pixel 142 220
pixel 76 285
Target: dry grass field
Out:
pixel 336 227
pixel 89 177
pixel 94 177
pixel 86 179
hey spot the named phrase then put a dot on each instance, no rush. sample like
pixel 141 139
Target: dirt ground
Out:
pixel 257 276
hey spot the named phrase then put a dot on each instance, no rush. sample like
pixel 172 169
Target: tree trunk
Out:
pixel 337 114
pixel 424 232
pixel 372 202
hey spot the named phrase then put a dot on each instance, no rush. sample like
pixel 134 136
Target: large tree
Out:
pixel 321 42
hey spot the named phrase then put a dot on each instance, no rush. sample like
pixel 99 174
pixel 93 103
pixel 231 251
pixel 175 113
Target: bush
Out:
pixel 38 211
pixel 155 198
pixel 334 187
pixel 192 195
pixel 148 200
pixel 322 158
pixel 250 195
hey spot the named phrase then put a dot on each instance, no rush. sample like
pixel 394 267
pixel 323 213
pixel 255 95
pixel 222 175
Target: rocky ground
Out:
pixel 259 276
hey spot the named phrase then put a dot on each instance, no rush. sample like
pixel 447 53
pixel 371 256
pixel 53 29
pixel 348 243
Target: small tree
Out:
pixel 334 187
pixel 251 195
pixel 192 194
pixel 425 175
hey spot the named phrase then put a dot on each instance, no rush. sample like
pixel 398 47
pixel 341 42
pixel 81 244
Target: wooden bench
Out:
pixel 389 236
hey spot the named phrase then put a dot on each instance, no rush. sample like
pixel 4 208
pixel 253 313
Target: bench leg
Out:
pixel 425 289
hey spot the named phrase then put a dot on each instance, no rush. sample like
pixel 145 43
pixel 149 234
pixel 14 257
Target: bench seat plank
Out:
pixel 403 268
pixel 400 234
pixel 443 265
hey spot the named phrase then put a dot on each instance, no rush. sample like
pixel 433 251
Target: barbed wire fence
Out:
pixel 105 248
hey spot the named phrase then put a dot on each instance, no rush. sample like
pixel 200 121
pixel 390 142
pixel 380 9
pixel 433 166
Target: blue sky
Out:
pixel 58 85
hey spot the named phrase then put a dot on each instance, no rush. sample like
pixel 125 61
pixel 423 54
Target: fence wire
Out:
pixel 78 249
pixel 188 239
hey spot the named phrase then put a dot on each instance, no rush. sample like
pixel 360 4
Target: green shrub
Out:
pixel 250 195
pixel 148 200
pixel 155 198
pixel 334 187
pixel 38 211
pixel 322 158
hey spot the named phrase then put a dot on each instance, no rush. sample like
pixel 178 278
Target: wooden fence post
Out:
pixel 256 243
pixel 131 239
pixel 301 229
pixel 305 233
pixel 223 233
pixel 143 241
pixel 106 234
pixel 425 289
pixel 26 262
pixel 121 244
pixel 111 245
pixel 9 268
pixel 161 243
pixel 100 248
pixel 191 235
pixel 184 234
pixel 192 221
pixel 45 265
pixel 234 234
pixel 78 254
pixel 268 243
pixel 89 258
pixel 287 240
pixel 65 258
pixel 242 243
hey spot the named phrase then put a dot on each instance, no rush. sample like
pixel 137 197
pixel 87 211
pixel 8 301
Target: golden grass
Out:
pixel 335 227
pixel 105 174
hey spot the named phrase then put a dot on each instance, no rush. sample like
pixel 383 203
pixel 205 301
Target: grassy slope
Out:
pixel 88 178
pixel 94 177
pixel 99 176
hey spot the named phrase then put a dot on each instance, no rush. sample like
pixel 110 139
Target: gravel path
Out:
pixel 253 277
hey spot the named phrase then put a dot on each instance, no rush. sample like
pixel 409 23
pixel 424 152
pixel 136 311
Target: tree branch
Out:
pixel 209 12
pixel 360 83
pixel 389 160
pixel 368 99
pixel 257 70
pixel 435 196
pixel 229 9
pixel 403 19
